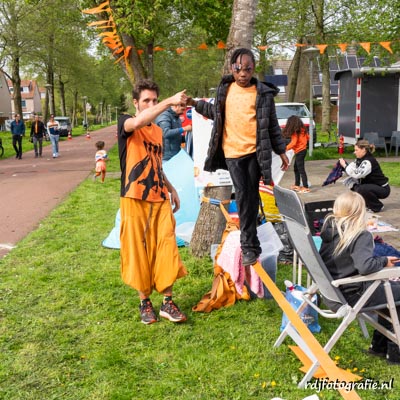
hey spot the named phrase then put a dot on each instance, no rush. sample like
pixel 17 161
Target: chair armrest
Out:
pixel 383 274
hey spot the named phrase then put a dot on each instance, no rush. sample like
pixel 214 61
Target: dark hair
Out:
pixel 144 84
pixel 293 125
pixel 100 145
pixel 241 52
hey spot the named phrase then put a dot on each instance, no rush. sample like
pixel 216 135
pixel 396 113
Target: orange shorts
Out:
pixel 149 253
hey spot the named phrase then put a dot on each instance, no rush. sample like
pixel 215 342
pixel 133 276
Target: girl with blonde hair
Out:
pixel 347 249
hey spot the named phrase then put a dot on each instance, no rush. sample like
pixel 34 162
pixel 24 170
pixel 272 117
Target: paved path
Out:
pixel 317 172
pixel 31 187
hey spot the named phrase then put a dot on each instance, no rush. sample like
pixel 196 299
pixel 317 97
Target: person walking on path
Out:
pixel 38 130
pixel 53 129
pixel 295 131
pixel 244 134
pixel 173 132
pixel 17 131
pixel 149 254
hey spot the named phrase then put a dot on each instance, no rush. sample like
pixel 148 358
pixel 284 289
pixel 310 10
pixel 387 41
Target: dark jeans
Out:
pixel 17 144
pixel 372 193
pixel 299 169
pixel 37 147
pixel 245 173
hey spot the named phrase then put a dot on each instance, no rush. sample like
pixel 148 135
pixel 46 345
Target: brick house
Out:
pixel 31 98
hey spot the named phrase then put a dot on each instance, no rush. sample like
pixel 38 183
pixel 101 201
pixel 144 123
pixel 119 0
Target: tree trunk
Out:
pixel 16 81
pixel 61 87
pixel 318 8
pixel 241 31
pixel 210 223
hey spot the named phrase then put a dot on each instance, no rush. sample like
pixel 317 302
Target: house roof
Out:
pixel 30 84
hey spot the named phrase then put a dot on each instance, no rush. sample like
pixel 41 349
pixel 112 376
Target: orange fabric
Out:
pixel 240 130
pixel 144 179
pixel 149 254
pixel 298 142
pixel 223 292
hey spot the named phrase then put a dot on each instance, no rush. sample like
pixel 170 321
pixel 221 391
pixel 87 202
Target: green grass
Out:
pixel 69 327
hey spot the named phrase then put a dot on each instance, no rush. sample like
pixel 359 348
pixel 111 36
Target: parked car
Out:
pixel 286 110
pixel 65 126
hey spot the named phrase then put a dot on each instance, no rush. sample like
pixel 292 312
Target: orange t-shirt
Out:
pixel 142 177
pixel 298 142
pixel 240 129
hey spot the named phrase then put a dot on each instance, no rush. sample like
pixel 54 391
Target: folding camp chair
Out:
pixel 294 218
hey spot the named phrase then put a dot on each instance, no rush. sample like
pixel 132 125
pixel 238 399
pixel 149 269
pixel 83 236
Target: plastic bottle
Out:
pixel 294 289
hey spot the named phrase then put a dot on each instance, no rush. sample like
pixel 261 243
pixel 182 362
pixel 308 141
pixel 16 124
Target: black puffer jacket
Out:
pixel 269 136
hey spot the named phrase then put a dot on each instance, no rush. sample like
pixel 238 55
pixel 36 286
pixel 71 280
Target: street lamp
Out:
pixel 310 53
pixel 85 124
pixel 109 113
pixel 116 114
pixel 101 112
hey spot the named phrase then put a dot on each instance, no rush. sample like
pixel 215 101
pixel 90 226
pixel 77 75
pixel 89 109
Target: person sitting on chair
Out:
pixel 347 250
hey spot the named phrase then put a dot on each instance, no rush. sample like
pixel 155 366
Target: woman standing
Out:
pixel 295 131
pixel 366 176
pixel 53 129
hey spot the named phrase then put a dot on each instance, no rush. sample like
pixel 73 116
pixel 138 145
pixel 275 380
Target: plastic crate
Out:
pixel 316 212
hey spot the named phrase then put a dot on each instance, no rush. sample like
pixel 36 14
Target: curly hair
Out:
pixel 144 84
pixel 293 125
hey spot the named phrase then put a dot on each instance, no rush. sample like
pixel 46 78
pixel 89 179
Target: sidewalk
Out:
pixel 31 187
pixel 317 172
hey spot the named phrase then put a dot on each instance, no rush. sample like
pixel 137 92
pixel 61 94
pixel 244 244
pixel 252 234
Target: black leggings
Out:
pixel 299 169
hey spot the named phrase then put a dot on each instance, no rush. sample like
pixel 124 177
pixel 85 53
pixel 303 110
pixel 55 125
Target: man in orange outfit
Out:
pixel 149 254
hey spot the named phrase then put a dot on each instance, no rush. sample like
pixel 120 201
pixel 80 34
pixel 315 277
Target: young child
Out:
pixel 298 135
pixel 347 250
pixel 100 158
pixel 244 134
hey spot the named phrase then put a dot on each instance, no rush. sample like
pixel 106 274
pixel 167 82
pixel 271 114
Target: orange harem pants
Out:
pixel 149 254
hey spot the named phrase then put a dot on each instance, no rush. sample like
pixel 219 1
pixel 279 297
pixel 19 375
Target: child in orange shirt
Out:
pixel 298 135
pixel 100 158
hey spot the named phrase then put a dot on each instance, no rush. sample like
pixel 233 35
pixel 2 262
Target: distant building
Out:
pixel 31 98
pixel 5 105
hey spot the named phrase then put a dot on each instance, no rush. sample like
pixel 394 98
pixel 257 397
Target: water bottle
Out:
pixel 294 289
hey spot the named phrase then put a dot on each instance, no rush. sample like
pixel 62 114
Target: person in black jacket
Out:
pixel 38 131
pixel 366 176
pixel 347 249
pixel 245 132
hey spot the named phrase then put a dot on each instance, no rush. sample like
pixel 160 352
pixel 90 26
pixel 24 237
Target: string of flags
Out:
pixel 112 40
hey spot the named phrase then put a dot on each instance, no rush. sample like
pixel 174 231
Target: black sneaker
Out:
pixel 171 311
pixel 147 313
pixel 249 258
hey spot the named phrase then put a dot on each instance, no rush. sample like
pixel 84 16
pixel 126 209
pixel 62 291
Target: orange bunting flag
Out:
pixel 203 46
pixel 221 45
pixel 140 52
pixel 107 24
pixel 321 48
pixel 103 7
pixel 158 48
pixel 180 50
pixel 262 48
pixel 366 46
pixel 386 45
pixel 300 45
pixel 342 47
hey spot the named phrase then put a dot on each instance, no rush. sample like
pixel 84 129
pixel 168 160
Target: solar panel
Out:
pixel 352 62
pixel 333 65
pixel 343 63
